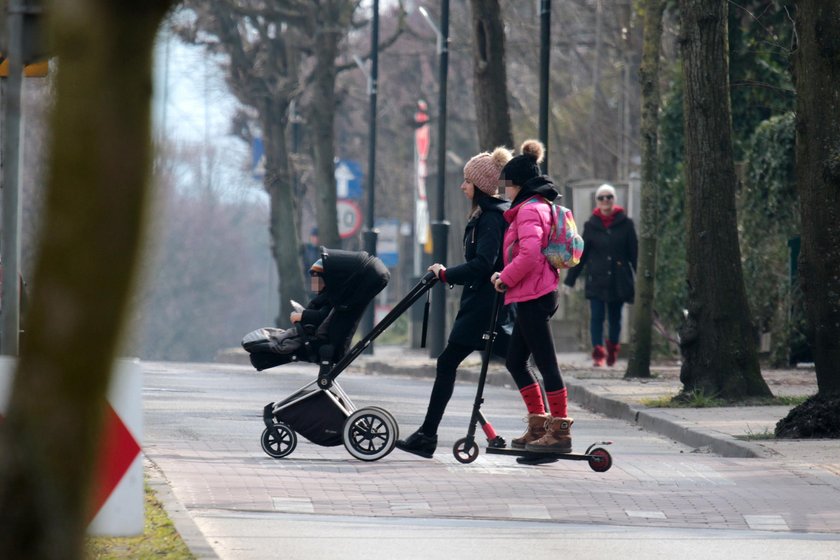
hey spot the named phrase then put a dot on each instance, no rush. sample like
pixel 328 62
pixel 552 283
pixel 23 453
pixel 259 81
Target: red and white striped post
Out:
pixel 117 507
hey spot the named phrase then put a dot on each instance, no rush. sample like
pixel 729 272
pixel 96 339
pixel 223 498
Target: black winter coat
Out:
pixel 609 257
pixel 483 256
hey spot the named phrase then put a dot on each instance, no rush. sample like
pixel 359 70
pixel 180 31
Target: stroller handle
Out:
pixel 329 371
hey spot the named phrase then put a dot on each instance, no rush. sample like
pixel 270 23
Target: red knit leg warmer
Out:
pixel 532 395
pixel 558 403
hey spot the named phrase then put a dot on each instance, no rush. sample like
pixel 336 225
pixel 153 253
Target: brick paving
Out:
pixel 654 482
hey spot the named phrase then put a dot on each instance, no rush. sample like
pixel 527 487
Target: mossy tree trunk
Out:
pixel 718 340
pixel 490 76
pixel 100 155
pixel 639 363
pixel 817 75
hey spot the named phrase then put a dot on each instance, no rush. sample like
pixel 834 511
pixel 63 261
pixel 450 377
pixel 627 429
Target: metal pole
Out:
pixel 545 56
pixel 370 234
pixel 440 227
pixel 10 247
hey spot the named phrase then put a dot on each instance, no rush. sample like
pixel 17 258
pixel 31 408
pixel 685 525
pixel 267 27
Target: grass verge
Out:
pixel 159 538
pixel 700 400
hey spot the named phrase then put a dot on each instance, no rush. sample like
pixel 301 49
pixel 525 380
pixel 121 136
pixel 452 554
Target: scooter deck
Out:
pixel 537 458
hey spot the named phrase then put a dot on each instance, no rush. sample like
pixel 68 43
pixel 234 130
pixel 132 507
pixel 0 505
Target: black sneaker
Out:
pixel 419 443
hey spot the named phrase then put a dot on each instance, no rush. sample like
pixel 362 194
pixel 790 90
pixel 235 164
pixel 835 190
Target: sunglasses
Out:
pixel 605 197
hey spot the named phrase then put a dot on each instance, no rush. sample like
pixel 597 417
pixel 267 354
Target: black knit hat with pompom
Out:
pixel 526 165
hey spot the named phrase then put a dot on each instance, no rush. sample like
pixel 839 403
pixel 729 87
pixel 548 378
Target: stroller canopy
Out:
pixel 352 278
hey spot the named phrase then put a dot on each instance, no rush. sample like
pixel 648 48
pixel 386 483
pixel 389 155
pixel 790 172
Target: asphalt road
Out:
pixel 202 429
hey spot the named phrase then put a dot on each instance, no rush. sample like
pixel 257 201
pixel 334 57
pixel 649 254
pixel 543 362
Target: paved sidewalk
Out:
pixel 234 502
pixel 737 431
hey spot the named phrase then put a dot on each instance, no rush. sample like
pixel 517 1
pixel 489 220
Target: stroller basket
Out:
pixel 324 414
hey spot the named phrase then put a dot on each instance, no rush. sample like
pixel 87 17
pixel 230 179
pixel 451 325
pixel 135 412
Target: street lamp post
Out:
pixel 440 227
pixel 16 13
pixel 545 54
pixel 370 234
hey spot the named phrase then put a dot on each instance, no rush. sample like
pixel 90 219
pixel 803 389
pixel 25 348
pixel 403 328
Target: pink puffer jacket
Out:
pixel 527 273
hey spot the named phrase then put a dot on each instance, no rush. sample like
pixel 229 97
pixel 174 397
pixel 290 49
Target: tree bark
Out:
pixel 490 76
pixel 639 363
pixel 817 73
pixel 93 226
pixel 333 20
pixel 282 212
pixel 321 116
pixel 718 340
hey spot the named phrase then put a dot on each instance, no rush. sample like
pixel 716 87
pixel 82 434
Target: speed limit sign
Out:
pixel 349 218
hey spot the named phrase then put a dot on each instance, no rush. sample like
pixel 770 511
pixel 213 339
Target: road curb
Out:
pixel 185 525
pixel 657 421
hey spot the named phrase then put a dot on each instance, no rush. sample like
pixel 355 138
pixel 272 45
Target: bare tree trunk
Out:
pixel 283 213
pixel 639 364
pixel 321 114
pixel 490 76
pixel 718 340
pixel 96 197
pixel 817 73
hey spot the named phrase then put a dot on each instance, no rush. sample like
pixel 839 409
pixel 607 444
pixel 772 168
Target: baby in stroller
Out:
pixel 344 282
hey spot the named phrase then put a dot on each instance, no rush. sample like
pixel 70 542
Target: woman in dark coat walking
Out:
pixel 609 257
pixel 482 254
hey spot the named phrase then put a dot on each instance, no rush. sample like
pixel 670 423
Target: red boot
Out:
pixel 613 348
pixel 598 355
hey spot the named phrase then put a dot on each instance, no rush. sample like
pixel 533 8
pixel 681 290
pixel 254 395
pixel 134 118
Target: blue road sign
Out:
pixel 348 179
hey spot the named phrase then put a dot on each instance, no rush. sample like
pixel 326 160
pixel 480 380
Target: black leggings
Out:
pixel 447 366
pixel 532 335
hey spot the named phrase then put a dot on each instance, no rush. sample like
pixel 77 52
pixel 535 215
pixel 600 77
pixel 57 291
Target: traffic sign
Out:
pixel 349 218
pixel 387 242
pixel 257 158
pixel 348 179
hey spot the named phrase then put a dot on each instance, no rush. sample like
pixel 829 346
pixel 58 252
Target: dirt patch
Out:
pixel 818 417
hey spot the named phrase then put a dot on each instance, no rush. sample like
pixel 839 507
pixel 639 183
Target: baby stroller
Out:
pixel 321 411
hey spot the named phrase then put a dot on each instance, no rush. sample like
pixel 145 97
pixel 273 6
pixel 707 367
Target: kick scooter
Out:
pixel 466 449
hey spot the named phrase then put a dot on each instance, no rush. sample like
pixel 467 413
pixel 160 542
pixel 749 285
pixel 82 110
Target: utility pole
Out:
pixel 23 48
pixel 440 227
pixel 10 245
pixel 370 234
pixel 545 58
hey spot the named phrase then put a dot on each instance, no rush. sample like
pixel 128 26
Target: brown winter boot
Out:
pixel 536 430
pixel 598 355
pixel 613 348
pixel 557 438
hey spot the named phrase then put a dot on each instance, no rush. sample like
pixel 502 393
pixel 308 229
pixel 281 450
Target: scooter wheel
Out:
pixel 279 440
pixel 465 453
pixel 600 460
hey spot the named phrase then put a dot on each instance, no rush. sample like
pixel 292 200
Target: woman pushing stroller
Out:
pixel 482 255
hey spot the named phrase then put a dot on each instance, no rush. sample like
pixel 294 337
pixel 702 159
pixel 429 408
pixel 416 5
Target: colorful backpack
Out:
pixel 565 245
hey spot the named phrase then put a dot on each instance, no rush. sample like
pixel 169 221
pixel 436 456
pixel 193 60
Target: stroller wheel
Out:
pixel 369 434
pixel 279 440
pixel 465 453
pixel 391 417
